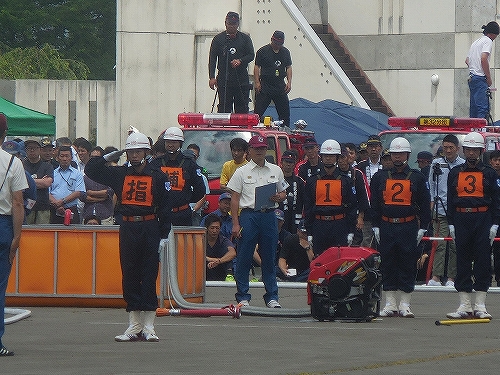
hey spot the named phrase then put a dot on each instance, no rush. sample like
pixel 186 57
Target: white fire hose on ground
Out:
pixel 17 315
pixel 168 258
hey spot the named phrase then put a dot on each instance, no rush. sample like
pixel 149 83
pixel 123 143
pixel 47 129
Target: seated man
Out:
pixel 220 251
pixel 295 256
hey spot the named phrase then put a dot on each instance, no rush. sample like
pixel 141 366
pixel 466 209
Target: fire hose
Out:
pixel 168 262
pixel 18 314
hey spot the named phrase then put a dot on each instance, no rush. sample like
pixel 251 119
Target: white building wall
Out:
pixel 162 59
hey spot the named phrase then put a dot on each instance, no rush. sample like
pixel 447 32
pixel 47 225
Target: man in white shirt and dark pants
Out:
pixel 478 61
pixel 253 225
pixel 12 183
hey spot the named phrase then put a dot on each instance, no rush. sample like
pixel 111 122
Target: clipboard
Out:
pixel 262 197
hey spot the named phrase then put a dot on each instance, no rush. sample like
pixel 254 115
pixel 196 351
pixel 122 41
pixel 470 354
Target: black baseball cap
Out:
pixel 278 37
pixel 232 18
pixel 289 156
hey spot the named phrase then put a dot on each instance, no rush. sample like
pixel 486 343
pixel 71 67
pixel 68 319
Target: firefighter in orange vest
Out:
pixel 473 217
pixel 400 202
pixel 330 203
pixel 185 182
pixel 146 209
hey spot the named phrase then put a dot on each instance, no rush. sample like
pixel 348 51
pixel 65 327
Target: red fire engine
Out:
pixel 213 132
pixel 425 133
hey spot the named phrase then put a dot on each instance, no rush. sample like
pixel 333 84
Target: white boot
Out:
pixel 480 306
pixel 464 311
pixel 149 330
pixel 404 306
pixel 133 332
pixel 390 308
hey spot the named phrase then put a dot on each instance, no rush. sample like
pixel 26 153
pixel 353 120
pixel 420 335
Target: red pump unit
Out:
pixel 345 284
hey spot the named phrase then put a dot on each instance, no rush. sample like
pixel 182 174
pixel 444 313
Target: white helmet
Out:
pixel 400 144
pixel 174 134
pixel 300 124
pixel 474 140
pixel 330 147
pixel 137 140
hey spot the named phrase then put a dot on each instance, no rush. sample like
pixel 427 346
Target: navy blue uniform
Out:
pixel 185 185
pixel 293 205
pixel 144 204
pixel 330 208
pixel 473 207
pixel 306 170
pixel 400 203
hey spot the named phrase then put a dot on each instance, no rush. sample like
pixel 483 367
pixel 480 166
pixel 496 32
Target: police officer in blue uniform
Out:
pixel 400 203
pixel 473 217
pixel 145 208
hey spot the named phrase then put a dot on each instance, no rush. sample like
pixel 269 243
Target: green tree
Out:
pixel 80 30
pixel 44 63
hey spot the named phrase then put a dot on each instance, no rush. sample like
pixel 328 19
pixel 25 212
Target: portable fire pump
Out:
pixel 345 284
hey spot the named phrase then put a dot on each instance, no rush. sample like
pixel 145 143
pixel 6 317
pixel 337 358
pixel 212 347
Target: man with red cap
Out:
pixel 272 65
pixel 231 51
pixel 256 188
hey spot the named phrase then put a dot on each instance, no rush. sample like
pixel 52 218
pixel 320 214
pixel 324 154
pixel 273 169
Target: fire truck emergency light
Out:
pixel 218 119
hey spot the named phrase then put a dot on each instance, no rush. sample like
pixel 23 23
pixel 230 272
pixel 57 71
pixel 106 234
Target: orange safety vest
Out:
pixel 470 185
pixel 397 192
pixel 137 190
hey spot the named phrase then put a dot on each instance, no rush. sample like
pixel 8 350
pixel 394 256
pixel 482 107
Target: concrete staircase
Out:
pixel 351 68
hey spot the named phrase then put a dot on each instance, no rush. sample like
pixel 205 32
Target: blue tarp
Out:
pixel 330 119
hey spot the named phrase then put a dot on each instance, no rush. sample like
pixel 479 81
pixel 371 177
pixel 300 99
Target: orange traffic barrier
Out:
pixel 80 266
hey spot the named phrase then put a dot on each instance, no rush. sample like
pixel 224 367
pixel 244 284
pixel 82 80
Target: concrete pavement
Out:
pixel 81 341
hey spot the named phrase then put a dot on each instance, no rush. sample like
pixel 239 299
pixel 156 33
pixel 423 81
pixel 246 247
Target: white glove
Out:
pixel 376 232
pixel 452 231
pixel 420 234
pixel 113 155
pixel 350 237
pixel 493 233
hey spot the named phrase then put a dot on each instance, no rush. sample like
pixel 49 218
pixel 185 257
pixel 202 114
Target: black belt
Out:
pixel 139 218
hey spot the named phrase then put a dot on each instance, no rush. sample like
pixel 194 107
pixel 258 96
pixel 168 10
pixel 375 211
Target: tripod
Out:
pixel 438 202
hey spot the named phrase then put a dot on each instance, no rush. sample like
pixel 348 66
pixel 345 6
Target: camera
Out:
pixel 436 169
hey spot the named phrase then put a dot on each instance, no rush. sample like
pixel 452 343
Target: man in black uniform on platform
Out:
pixel 145 206
pixel 185 182
pixel 273 64
pixel 231 51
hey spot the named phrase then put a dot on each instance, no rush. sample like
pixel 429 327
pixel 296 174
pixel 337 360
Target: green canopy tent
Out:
pixel 23 121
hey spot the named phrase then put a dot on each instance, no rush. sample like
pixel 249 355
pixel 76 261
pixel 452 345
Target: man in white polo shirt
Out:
pixel 256 225
pixel 12 183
